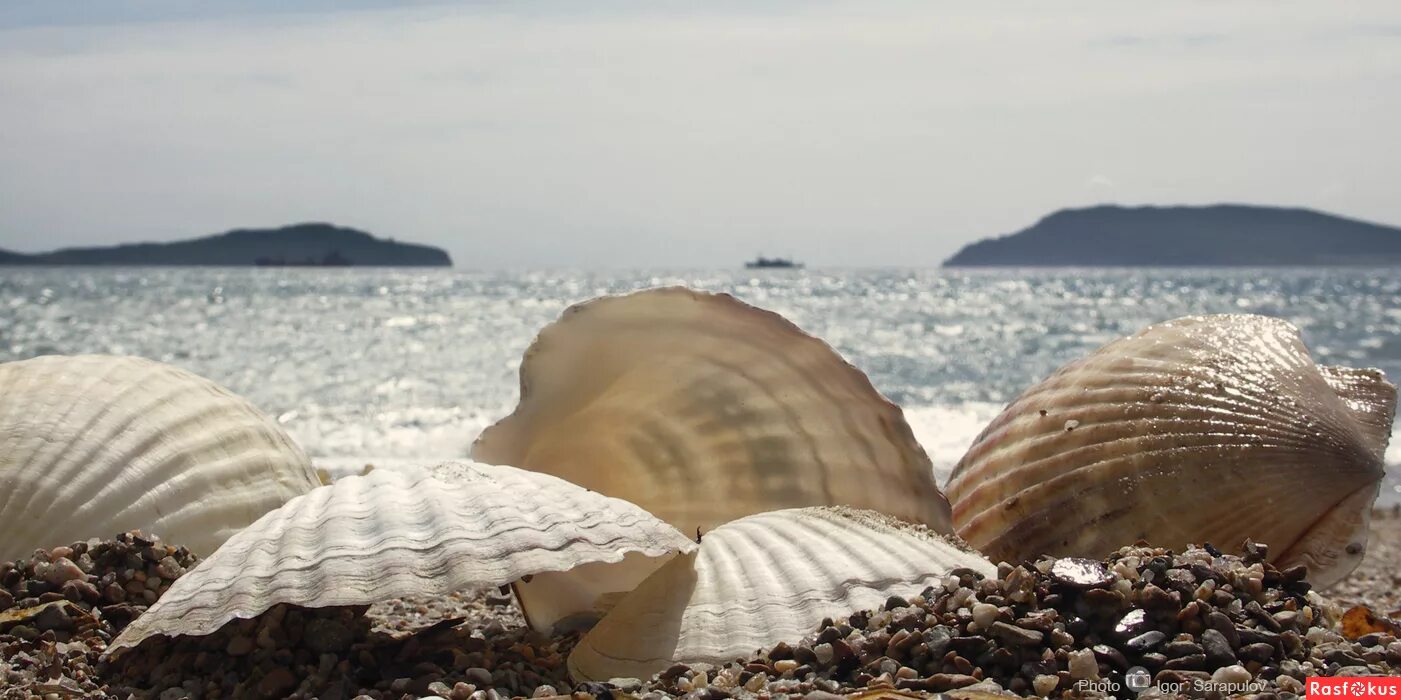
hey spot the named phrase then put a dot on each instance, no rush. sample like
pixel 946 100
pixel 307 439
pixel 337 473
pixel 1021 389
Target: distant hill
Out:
pixel 9 258
pixel 301 244
pixel 1227 235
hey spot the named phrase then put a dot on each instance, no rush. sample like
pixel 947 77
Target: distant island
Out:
pixel 301 245
pixel 1224 235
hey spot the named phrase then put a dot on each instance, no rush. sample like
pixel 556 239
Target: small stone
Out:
pixel 1191 662
pixel 61 571
pixel 984 615
pixel 54 617
pixel 824 653
pixel 277 683
pixel 241 645
pixel 1132 624
pixel 1080 573
pixel 1257 652
pixel 461 691
pixel 1082 665
pixel 1178 648
pixel 1154 598
pixel 78 591
pixel 1218 650
pixel 938 683
pixel 169 569
pixel 478 676
pixel 114 593
pixel 1045 684
pixel 327 636
pixel 1145 642
pixel 1337 656
pixel 544 691
pixel 785 665
pixel 7 600
pixel 1109 655
pixel 756 683
pixel 895 601
pixel 1234 675
pixel 1015 636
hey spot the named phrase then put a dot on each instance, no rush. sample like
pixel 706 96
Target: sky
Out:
pixel 628 134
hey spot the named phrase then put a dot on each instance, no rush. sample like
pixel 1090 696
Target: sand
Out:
pixel 1377 582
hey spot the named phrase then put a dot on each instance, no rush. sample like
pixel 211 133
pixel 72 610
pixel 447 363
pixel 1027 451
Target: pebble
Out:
pixel 1235 675
pixel 984 615
pixel 61 571
pixel 1035 628
pixel 1218 649
pixel 1082 665
pixel 327 636
pixel 239 646
pixel 1081 573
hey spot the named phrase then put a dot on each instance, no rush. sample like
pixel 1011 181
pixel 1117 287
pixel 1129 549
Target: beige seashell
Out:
pixel 765 579
pixel 702 409
pixel 391 534
pixel 95 445
pixel 1203 429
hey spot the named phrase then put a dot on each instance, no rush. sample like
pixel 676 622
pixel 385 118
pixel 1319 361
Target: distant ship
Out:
pixel 763 263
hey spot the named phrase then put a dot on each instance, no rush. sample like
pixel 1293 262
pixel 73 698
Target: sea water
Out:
pixel 397 366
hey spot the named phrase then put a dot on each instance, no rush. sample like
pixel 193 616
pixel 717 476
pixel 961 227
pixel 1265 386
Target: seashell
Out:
pixel 1204 429
pixel 703 409
pixel 670 398
pixel 765 579
pixel 94 445
pixel 390 534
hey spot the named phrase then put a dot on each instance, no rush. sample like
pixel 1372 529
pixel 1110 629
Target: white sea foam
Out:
pixel 946 432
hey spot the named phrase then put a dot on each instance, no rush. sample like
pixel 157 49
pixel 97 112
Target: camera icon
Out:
pixel 1138 679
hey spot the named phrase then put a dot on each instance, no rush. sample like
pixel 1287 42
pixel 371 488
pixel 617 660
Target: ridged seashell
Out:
pixel 95 445
pixel 391 534
pixel 1204 429
pixel 765 579
pixel 703 409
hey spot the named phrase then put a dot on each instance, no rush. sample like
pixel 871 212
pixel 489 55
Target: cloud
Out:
pixel 639 134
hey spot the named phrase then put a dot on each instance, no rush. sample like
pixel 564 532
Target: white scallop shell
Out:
pixel 91 446
pixel 1204 429
pixel 702 409
pixel 765 579
pixel 391 534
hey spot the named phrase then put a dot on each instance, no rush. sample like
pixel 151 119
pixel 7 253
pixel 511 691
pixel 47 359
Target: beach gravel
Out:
pixel 1201 623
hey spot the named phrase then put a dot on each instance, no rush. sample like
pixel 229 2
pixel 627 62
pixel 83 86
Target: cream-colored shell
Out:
pixel 391 534
pixel 91 446
pixel 765 579
pixel 703 409
pixel 1204 429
